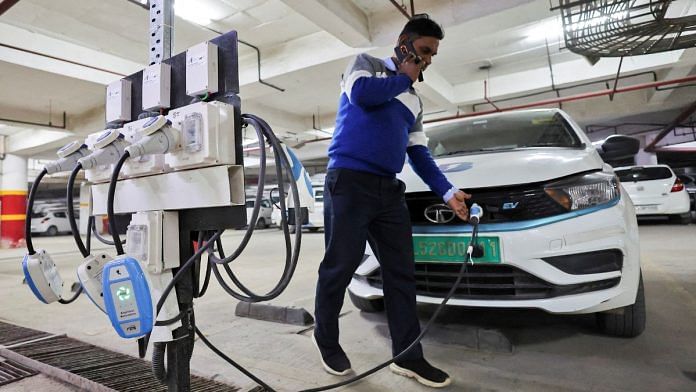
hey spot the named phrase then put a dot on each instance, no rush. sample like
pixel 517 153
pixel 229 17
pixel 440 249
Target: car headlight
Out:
pixel 585 191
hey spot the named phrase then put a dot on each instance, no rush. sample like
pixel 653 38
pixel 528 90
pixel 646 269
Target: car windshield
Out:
pixel 503 132
pixel 250 204
pixel 636 174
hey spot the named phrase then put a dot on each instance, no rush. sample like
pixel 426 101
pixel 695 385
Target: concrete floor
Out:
pixel 549 353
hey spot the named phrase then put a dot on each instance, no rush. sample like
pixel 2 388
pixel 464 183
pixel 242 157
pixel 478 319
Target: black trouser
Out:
pixel 358 205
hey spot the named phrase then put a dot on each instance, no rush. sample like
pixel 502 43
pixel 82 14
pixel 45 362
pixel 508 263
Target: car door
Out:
pixel 649 186
pixel 60 221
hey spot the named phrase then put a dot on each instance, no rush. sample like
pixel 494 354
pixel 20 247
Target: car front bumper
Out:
pixel 525 244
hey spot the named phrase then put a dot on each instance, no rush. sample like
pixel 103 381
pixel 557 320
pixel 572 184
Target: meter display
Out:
pixel 193 132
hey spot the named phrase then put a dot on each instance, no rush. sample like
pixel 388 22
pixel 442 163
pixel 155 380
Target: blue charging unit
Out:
pixel 127 297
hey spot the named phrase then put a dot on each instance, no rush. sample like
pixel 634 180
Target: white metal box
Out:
pixel 202 69
pixel 157 86
pixel 207 135
pixel 118 101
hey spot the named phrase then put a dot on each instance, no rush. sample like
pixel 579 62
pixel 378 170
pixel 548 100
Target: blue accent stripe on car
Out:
pixel 512 226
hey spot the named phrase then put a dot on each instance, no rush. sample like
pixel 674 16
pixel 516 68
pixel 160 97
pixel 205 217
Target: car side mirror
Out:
pixel 618 148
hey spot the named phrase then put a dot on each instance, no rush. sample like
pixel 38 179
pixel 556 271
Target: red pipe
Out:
pixel 570 98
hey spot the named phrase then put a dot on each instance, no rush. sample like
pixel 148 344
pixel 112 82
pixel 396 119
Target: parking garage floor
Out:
pixel 484 350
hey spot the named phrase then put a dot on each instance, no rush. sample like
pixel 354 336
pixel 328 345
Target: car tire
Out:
pixel 628 321
pixel 313 229
pixel 52 231
pixel 261 223
pixel 367 305
pixel 682 219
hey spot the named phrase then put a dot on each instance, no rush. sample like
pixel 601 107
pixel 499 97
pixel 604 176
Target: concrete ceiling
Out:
pixel 305 46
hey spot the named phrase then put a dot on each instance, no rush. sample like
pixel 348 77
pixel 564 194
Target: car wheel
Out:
pixel 52 231
pixel 626 322
pixel 367 305
pixel 261 223
pixel 683 219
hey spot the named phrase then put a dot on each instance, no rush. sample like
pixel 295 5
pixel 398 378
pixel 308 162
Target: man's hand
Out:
pixel 410 68
pixel 458 205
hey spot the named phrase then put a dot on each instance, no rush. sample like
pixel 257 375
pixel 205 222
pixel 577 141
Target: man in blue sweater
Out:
pixel 379 121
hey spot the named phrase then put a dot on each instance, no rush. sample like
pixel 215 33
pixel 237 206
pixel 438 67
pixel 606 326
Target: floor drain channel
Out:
pixel 116 371
pixel 12 371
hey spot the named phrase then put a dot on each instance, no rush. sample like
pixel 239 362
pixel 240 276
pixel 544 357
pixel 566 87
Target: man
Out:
pixel 379 120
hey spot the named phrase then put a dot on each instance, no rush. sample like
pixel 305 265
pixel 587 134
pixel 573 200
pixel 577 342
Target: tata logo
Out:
pixel 439 213
pixel 510 205
pixel 456 167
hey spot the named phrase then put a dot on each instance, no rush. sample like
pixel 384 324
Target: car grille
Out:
pixel 504 204
pixel 503 282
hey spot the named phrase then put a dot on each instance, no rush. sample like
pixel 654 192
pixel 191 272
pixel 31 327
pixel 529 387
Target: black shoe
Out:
pixel 422 371
pixel 337 364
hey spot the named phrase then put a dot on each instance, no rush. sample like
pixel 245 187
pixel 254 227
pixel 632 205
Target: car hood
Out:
pixel 514 167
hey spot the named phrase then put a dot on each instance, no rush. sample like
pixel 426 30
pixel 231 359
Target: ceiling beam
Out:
pixel 6 5
pixel 36 140
pixel 342 19
pixel 38 51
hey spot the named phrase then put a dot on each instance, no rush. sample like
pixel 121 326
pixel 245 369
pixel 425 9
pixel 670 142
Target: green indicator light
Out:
pixel 123 293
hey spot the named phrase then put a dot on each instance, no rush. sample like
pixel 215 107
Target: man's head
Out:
pixel 425 35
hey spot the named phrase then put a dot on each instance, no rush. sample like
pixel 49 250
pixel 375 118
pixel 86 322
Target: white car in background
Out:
pixel 558 232
pixel 265 218
pixel 50 222
pixel 656 190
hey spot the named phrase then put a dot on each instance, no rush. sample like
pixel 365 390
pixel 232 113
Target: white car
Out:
pixel 265 218
pixel 558 231
pixel 50 222
pixel 656 190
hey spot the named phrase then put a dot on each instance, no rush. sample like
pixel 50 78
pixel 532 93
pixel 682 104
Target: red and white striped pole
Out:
pixel 13 201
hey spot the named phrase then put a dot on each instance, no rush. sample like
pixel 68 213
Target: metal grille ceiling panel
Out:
pixel 615 28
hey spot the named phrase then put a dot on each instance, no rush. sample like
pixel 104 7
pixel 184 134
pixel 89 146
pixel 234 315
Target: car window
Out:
pixel 38 214
pixel 250 204
pixel 504 132
pixel 59 214
pixel 636 174
pixel 319 196
pixel 265 204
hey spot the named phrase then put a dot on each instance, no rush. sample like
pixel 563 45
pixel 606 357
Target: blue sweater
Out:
pixel 379 121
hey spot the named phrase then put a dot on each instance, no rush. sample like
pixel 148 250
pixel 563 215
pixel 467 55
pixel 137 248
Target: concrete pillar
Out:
pixel 13 201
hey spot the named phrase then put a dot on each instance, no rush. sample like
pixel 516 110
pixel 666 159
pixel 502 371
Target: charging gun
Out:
pixel 406 50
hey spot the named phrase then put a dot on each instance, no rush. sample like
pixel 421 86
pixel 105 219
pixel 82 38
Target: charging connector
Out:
pixel 109 147
pixel 90 275
pixel 42 276
pixel 158 138
pixel 68 157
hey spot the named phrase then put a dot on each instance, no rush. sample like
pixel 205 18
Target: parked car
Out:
pixel 265 218
pixel 690 185
pixel 50 222
pixel 656 191
pixel 558 232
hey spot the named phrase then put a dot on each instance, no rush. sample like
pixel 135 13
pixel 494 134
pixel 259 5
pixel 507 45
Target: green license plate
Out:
pixel 452 249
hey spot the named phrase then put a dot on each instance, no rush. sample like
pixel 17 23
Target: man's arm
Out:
pixel 424 165
pixel 364 89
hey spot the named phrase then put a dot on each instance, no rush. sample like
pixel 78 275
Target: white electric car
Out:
pixel 656 190
pixel 265 218
pixel 559 233
pixel 50 222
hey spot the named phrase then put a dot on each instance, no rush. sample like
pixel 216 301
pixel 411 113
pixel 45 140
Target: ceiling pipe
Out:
pixel 402 9
pixel 571 98
pixel 60 58
pixel 6 5
pixel 49 125
pixel 691 109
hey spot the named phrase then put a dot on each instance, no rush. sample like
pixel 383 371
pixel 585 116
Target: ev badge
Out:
pixel 439 213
